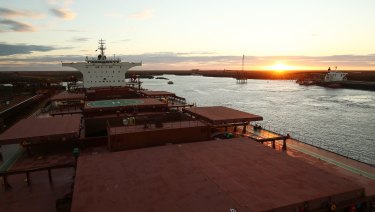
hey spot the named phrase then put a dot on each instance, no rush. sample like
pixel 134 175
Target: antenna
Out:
pixel 101 47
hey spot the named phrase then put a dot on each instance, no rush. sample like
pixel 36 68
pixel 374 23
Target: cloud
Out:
pixel 196 53
pixel 60 9
pixel 345 62
pixel 9 49
pixel 70 30
pixel 16 26
pixel 143 15
pixel 65 3
pixel 63 13
pixel 187 60
pixel 79 39
pixel 7 24
pixel 176 61
pixel 9 13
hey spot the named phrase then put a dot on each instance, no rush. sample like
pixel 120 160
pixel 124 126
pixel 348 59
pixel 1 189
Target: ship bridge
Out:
pixel 103 72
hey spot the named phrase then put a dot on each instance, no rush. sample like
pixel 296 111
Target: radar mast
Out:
pixel 102 48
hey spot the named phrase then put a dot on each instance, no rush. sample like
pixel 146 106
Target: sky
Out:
pixel 195 34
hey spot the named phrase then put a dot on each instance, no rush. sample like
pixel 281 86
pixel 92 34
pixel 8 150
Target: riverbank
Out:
pixel 334 119
pixel 58 76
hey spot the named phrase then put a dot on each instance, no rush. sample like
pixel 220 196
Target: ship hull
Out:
pixel 360 85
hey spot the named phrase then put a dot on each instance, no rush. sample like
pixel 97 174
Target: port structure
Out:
pixel 241 76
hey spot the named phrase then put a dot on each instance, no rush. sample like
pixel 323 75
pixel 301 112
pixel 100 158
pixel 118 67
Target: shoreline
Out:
pixel 57 76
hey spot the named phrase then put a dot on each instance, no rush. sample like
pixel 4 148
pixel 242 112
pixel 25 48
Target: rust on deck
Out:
pixel 222 115
pixel 206 176
pixel 148 135
pixel 37 129
pixel 65 95
pixel 153 127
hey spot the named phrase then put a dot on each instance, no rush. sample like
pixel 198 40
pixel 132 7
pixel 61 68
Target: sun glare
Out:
pixel 280 68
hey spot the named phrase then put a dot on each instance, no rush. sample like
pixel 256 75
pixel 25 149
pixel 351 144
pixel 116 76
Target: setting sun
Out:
pixel 280 68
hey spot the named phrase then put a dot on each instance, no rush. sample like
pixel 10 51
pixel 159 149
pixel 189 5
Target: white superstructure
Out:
pixel 334 76
pixel 102 72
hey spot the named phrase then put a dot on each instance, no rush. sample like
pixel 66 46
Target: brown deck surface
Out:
pixel 203 176
pixel 65 95
pixel 294 150
pixel 152 127
pixel 66 111
pixel 41 195
pixel 157 93
pixel 222 115
pixel 32 129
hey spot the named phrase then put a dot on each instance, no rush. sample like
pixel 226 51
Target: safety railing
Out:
pixel 321 144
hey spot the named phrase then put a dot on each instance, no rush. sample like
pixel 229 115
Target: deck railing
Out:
pixel 331 147
pixel 6 174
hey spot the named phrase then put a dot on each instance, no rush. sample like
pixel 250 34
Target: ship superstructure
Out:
pixel 334 76
pixel 103 71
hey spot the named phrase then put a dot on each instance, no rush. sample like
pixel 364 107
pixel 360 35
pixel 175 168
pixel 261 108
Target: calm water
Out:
pixel 340 120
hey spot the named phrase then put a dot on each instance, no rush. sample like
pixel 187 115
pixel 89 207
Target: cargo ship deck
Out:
pixel 153 151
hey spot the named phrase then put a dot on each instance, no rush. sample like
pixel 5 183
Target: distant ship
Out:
pixel 101 71
pixel 338 79
pixel 335 76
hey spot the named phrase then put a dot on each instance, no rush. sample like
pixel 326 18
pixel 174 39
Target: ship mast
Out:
pixel 101 48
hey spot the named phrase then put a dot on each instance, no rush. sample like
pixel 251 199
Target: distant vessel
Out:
pixel 335 76
pixel 170 82
pixel 103 72
pixel 337 79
